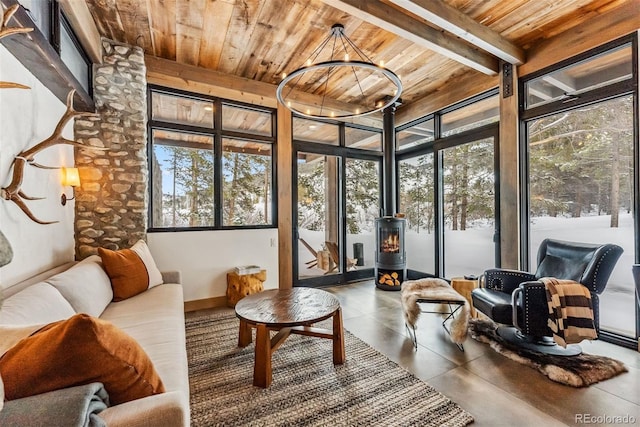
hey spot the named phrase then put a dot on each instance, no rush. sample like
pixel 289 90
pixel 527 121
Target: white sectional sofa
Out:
pixel 154 318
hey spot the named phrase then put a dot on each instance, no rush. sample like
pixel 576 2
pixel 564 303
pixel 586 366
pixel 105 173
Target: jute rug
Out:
pixel 307 389
pixel 576 371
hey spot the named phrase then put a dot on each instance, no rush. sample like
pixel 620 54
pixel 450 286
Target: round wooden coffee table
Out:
pixel 288 311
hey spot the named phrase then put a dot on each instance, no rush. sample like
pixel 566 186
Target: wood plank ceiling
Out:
pixel 261 39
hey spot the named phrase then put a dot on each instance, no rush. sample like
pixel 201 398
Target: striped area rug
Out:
pixel 307 389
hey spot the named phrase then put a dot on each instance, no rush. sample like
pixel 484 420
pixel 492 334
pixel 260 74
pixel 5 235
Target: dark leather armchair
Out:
pixel 518 299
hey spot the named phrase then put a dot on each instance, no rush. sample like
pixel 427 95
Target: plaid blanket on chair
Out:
pixel 570 311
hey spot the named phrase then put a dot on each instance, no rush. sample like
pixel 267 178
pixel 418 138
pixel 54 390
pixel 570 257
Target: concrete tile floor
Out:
pixel 495 390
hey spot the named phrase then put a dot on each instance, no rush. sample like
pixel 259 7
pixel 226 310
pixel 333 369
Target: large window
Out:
pixel 210 163
pixel 447 188
pixel 581 143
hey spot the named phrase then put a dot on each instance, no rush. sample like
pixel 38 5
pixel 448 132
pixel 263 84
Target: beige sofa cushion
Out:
pixel 36 305
pixel 85 285
pixel 155 319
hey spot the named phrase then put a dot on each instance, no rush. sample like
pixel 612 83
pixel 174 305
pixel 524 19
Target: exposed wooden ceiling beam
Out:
pixel 168 73
pixel 600 29
pixel 457 23
pixel 392 20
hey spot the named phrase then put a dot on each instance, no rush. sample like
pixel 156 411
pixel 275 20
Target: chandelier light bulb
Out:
pixel 382 63
pixel 346 57
pixel 284 75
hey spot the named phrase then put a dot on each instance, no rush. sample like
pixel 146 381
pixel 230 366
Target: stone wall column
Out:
pixel 111 203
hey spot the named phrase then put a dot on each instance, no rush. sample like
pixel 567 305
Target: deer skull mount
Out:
pixel 25 158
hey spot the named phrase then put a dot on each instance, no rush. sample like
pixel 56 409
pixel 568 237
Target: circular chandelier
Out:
pixel 338 81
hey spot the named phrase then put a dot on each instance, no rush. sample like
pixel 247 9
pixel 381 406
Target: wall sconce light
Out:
pixel 71 178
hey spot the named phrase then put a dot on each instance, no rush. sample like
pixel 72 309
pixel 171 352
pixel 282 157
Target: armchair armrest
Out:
pixel 171 277
pixel 504 280
pixel 531 317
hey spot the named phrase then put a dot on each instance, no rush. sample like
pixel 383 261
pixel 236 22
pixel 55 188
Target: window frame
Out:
pixel 343 153
pixel 218 134
pixel 595 96
pixel 436 147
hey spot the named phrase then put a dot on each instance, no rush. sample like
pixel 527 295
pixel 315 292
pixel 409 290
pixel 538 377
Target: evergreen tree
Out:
pixel 363 195
pixel 191 200
pixel 311 190
pixel 246 186
pixel 581 161
pixel 417 192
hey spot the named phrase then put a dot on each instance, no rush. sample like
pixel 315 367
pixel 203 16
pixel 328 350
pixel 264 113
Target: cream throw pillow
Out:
pixel 142 250
pixel 85 285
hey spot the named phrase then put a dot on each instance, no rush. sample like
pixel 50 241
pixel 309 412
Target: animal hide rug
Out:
pixel 434 289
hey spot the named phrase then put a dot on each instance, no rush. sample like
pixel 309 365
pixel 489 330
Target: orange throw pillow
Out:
pixel 129 276
pixel 76 351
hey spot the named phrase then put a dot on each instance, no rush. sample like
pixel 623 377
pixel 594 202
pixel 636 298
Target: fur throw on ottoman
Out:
pixel 434 289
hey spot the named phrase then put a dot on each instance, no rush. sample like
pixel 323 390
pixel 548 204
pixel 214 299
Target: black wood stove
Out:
pixel 391 260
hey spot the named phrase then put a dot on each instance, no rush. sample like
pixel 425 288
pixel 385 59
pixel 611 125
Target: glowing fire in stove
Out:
pixel 391 244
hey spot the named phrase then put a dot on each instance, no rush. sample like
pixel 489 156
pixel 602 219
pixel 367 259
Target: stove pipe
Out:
pixel 389 161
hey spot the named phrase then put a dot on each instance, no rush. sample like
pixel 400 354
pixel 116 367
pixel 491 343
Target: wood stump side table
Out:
pixel 287 311
pixel 241 285
pixel 464 287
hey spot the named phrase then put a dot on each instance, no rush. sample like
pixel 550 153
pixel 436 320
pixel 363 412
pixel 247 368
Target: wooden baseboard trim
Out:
pixel 202 304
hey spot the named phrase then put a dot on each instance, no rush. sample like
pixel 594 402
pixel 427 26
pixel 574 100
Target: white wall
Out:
pixel 205 257
pixel 27 116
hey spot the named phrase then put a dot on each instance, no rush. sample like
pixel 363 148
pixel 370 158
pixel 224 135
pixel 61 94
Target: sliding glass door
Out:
pixel 337 198
pixel 317 215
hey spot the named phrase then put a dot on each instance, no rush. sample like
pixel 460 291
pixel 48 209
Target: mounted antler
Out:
pixel 13 191
pixel 6 31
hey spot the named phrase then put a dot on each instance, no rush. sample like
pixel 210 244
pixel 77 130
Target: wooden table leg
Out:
pixel 262 366
pixel 338 338
pixel 244 334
